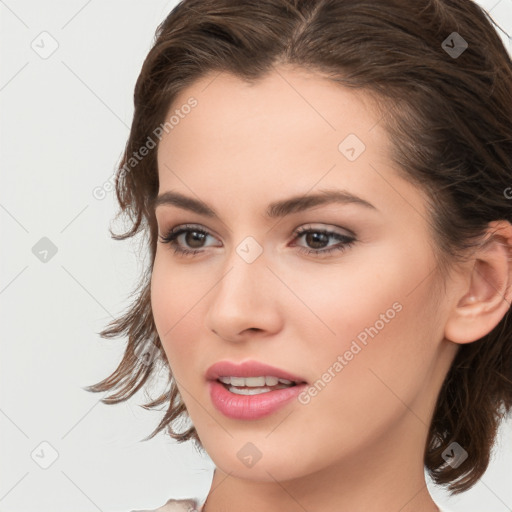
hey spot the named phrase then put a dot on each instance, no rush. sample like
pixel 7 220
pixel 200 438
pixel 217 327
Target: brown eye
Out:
pixel 192 239
pixel 316 240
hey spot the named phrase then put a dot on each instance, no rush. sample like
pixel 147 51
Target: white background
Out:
pixel 64 122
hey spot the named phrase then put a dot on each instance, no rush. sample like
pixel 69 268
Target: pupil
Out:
pixel 313 238
pixel 194 236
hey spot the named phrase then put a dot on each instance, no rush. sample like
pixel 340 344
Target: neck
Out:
pixel 388 475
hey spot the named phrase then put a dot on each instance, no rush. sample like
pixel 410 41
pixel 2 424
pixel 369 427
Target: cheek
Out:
pixel 381 353
pixel 347 301
pixel 176 311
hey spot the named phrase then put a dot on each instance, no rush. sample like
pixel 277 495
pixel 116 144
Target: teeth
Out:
pixel 271 381
pixel 248 391
pixel 254 382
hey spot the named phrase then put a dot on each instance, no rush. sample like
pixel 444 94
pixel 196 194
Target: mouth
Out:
pixel 255 385
pixel 251 390
pixel 253 374
pixel 251 377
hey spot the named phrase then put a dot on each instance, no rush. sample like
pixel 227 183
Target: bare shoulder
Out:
pixel 173 505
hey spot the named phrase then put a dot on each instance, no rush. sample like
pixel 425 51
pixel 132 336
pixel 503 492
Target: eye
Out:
pixel 316 237
pixel 195 237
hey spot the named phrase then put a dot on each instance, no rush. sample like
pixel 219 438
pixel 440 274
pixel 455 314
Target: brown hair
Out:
pixel 449 117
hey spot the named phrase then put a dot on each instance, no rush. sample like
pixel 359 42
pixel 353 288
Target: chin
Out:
pixel 268 462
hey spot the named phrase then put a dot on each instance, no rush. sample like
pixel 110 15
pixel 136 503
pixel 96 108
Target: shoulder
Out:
pixel 190 505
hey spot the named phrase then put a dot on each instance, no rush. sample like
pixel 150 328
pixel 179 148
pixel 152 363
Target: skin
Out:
pixel 358 444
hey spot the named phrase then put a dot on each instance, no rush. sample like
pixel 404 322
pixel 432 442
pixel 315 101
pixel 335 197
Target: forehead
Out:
pixel 286 94
pixel 285 134
pixel 288 111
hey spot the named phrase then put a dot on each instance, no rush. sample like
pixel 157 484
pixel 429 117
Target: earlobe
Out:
pixel 488 298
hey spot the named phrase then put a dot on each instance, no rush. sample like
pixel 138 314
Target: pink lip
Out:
pixel 248 369
pixel 250 407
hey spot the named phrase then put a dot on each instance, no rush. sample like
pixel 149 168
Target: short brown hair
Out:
pixel 448 116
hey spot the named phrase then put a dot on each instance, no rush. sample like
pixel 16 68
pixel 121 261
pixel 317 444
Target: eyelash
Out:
pixel 173 234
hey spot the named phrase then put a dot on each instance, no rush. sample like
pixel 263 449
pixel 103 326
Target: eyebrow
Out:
pixel 276 209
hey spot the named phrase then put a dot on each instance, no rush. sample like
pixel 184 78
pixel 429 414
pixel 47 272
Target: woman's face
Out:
pixel 357 317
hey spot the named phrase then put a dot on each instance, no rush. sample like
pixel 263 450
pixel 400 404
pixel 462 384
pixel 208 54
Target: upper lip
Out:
pixel 248 369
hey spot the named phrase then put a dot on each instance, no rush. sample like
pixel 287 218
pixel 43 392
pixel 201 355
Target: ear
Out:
pixel 482 305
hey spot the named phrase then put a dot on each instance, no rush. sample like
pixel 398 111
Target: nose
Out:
pixel 244 301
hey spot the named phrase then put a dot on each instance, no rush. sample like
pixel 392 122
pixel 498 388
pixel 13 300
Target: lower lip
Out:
pixel 251 407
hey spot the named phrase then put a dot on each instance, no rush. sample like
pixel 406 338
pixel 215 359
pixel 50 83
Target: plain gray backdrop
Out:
pixel 68 70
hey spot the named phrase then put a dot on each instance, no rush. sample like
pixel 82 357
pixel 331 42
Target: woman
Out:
pixel 325 186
